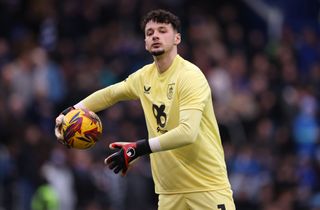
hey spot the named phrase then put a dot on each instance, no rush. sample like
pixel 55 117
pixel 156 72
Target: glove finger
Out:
pixel 117 169
pixel 112 165
pixel 57 129
pixel 117 145
pixel 59 120
pixel 109 159
pixel 94 115
pixel 58 133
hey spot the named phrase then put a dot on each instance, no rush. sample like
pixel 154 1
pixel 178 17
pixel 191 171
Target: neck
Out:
pixel 163 62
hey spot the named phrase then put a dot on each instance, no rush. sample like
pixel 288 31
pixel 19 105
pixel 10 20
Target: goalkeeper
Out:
pixel 184 144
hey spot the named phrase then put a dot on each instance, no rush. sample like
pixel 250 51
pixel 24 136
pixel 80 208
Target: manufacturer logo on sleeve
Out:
pixel 146 89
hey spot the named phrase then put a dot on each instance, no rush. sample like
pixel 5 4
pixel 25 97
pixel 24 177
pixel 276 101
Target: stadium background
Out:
pixel 260 57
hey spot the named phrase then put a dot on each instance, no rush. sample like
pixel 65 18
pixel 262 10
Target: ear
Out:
pixel 177 38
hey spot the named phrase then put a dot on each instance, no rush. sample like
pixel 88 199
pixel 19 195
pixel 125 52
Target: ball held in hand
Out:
pixel 81 129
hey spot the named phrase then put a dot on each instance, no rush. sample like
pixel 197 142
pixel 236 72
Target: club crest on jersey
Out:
pixel 170 90
pixel 146 89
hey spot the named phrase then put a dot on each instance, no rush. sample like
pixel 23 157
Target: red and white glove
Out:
pixel 127 152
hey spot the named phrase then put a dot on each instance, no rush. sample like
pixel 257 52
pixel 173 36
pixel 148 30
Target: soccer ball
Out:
pixel 81 129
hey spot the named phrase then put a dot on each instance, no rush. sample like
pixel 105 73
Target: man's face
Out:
pixel 160 38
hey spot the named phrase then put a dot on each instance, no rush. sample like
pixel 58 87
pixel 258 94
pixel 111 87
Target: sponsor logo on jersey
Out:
pixel 161 117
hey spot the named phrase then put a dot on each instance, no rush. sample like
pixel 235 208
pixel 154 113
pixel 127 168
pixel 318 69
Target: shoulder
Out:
pixel 141 73
pixel 190 71
pixel 144 70
pixel 191 78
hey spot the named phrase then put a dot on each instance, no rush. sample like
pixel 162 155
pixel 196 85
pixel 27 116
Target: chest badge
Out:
pixel 170 90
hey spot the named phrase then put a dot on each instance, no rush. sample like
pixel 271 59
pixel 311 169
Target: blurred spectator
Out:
pixel 60 178
pixel 48 81
pixel 305 127
pixel 308 49
pixel 45 197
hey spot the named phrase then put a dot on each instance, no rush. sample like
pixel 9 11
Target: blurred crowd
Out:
pixel 265 93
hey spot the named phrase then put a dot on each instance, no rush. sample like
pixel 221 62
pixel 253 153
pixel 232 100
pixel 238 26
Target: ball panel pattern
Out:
pixel 81 129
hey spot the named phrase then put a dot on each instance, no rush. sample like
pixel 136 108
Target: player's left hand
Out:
pixel 127 152
pixel 119 161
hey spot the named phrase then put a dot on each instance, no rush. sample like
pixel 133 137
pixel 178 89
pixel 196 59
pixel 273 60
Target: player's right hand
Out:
pixel 59 121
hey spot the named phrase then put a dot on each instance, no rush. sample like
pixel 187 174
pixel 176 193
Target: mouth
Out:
pixel 156 45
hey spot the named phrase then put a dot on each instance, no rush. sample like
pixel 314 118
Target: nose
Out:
pixel 155 36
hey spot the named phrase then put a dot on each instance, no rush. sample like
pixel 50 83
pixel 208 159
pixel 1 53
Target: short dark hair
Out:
pixel 161 16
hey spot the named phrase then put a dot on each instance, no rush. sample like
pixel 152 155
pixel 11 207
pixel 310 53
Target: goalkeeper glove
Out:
pixel 58 127
pixel 128 151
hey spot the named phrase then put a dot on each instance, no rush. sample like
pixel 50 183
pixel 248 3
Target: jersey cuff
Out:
pixel 79 106
pixel 154 144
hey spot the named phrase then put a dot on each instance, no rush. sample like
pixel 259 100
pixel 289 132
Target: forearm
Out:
pixel 105 98
pixel 185 134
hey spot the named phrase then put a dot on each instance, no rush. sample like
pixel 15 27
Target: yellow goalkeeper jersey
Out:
pixel 199 166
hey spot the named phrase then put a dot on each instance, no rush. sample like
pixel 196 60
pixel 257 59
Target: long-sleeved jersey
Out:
pixel 179 113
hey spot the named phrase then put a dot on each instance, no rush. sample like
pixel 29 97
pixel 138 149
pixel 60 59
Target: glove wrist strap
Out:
pixel 143 147
pixel 64 112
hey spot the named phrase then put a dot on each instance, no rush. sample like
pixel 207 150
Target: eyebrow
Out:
pixel 160 27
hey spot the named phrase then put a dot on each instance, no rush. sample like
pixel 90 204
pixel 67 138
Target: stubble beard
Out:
pixel 157 52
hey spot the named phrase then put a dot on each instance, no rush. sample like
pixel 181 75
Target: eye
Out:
pixel 149 32
pixel 162 30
